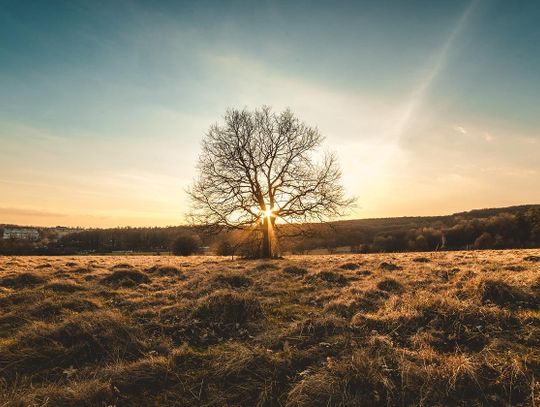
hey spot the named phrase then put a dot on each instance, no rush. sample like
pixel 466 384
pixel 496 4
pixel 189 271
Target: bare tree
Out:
pixel 259 167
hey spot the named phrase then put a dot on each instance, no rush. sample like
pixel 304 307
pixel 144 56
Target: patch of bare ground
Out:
pixel 446 328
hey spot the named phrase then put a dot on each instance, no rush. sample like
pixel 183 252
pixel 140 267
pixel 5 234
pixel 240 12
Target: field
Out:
pixel 426 329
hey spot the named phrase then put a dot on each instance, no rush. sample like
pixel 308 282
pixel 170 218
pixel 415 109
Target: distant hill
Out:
pixel 514 226
pixel 447 219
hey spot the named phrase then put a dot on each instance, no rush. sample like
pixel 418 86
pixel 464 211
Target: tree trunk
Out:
pixel 266 250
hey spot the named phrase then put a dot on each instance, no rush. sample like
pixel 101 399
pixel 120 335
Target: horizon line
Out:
pixel 4 225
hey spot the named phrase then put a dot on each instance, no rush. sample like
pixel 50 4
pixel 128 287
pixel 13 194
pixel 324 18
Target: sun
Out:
pixel 268 212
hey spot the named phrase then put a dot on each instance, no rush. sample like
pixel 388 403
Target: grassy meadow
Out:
pixel 422 329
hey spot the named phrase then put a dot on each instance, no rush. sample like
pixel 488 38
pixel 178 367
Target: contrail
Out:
pixel 440 58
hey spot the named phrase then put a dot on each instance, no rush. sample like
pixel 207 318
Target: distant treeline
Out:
pixel 98 241
pixel 123 239
pixel 500 228
pixel 515 227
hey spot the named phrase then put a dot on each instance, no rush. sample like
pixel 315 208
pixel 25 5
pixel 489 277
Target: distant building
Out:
pixel 21 234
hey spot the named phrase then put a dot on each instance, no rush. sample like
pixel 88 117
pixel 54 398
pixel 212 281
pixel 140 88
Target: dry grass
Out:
pixel 436 329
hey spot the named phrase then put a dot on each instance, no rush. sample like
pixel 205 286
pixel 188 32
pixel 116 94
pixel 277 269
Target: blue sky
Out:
pixel 432 106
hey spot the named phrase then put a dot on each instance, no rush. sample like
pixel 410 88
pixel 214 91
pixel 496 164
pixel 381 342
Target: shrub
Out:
pixel 186 244
pixel 250 248
pixel 225 248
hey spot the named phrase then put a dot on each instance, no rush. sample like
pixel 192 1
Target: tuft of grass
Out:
pixel 122 266
pixel 505 295
pixel 88 337
pixel 41 308
pixel 266 267
pixel 226 306
pixel 389 266
pixel 63 286
pixel 82 270
pixel 295 270
pixel 43 266
pixel 329 277
pixel 233 280
pixel 366 301
pixel 22 280
pixel 349 266
pixel 312 330
pixel 514 267
pixel 145 376
pixel 390 285
pixel 360 379
pixel 125 278
pixel 169 271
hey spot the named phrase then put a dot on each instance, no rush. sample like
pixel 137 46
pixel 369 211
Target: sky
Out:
pixel 432 107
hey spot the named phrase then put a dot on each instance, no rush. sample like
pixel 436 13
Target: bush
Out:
pixel 250 248
pixel 224 248
pixel 186 244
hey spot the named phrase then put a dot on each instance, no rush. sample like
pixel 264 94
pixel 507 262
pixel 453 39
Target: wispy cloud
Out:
pixel 460 129
pixel 8 212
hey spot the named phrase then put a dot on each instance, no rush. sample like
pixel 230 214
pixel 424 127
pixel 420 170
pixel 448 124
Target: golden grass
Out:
pixel 449 328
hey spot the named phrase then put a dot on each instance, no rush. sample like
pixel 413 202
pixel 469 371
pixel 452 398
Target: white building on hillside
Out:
pixel 21 233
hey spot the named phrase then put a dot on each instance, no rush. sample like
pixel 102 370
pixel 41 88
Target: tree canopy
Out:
pixel 259 166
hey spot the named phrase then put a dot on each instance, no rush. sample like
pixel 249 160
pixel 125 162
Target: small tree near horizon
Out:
pixel 259 168
pixel 185 244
